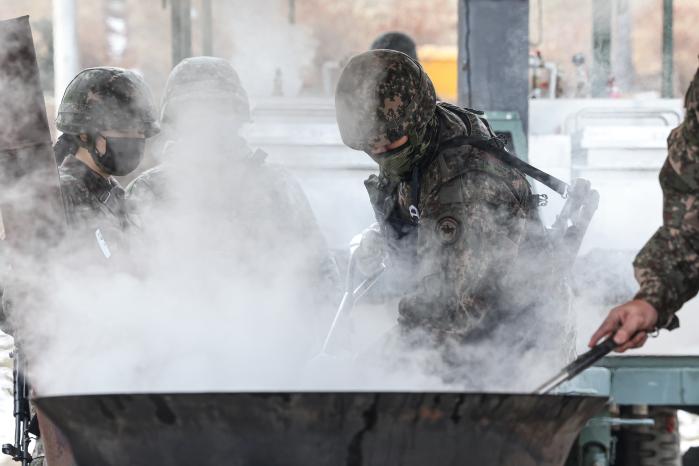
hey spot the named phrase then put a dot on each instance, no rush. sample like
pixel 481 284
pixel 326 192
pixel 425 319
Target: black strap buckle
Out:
pixel 541 200
pixel 414 213
pixel 104 196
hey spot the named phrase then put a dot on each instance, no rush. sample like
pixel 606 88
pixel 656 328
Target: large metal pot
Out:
pixel 290 429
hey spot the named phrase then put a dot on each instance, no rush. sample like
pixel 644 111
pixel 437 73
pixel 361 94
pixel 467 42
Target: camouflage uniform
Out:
pixel 667 268
pixel 99 99
pixel 199 82
pixel 90 199
pixel 211 86
pixel 470 220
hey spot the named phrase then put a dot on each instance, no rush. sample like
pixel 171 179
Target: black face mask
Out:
pixel 123 155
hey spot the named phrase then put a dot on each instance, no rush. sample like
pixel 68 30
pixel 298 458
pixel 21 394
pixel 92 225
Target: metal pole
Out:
pixel 622 47
pixel 464 72
pixel 66 60
pixel 601 46
pixel 666 90
pixel 180 11
pixel 175 31
pixel 207 28
pixel 493 73
pixel 292 11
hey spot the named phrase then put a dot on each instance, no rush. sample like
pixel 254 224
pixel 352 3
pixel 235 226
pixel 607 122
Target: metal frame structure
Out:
pixel 494 56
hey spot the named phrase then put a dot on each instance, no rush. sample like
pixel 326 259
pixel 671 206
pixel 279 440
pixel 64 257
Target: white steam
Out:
pixel 210 297
pixel 223 288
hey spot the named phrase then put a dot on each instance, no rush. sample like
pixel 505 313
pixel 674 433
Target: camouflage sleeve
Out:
pixel 667 268
pixel 74 195
pixel 468 239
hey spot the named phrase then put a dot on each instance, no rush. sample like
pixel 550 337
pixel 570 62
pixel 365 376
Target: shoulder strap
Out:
pixel 496 146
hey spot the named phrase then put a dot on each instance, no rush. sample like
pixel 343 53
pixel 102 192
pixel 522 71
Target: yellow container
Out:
pixel 441 65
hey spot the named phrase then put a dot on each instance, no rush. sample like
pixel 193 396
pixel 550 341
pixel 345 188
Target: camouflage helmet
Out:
pixel 99 99
pixel 381 96
pixel 200 78
pixel 398 41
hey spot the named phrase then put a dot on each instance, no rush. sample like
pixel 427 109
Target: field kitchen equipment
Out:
pixel 582 362
pixel 319 429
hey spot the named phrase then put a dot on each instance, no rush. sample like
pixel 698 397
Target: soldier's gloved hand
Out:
pixel 369 250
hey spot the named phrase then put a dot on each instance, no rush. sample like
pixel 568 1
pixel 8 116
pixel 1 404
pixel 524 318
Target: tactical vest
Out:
pixel 383 192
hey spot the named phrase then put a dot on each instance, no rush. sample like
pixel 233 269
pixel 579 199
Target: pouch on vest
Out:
pixel 571 224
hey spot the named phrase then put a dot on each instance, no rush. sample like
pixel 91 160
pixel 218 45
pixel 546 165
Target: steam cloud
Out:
pixel 208 297
pixel 212 295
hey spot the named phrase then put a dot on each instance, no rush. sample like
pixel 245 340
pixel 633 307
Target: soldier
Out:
pixel 398 41
pixel 105 115
pixel 467 219
pixel 667 268
pixel 204 108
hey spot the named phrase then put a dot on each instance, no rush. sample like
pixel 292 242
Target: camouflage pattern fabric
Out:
pixel 667 268
pixel 479 242
pixel 97 99
pixel 210 88
pixel 204 78
pixel 107 98
pixel 92 201
pixel 381 96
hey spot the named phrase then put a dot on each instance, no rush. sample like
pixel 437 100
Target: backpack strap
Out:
pixel 496 146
